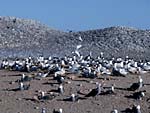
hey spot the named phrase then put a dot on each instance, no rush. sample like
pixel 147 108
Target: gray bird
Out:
pixel 94 92
pixel 57 111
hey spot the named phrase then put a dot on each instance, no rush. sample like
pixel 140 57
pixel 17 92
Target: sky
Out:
pixel 80 15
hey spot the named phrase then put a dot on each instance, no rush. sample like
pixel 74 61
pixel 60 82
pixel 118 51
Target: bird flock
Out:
pixel 80 66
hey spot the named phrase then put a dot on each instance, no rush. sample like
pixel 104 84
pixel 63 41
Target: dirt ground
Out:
pixel 21 101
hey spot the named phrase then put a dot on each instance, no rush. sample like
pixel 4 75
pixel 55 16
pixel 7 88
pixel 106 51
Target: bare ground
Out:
pixel 21 101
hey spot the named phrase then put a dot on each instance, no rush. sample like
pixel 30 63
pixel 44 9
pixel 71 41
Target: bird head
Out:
pixel 42 93
pixel 73 97
pixel 138 107
pixel 43 110
pixel 112 87
pixel 142 94
pixel 21 85
pixel 60 110
pixel 61 86
pixel 115 111
pixel 23 76
pixel 60 89
pixel 140 79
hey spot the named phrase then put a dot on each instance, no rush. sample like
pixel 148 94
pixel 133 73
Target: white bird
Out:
pixel 114 111
pixel 43 110
pixel 77 52
pixel 80 38
pixel 78 47
pixel 59 111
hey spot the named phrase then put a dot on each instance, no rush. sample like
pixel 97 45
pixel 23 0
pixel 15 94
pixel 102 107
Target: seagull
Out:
pixel 101 55
pixel 137 95
pixel 25 78
pixel 94 92
pixel 23 87
pixel 114 111
pixel 110 91
pixel 61 89
pixel 136 86
pixel 42 75
pixel 59 111
pixel 73 98
pixel 134 109
pixel 78 47
pixel 80 38
pixel 59 78
pixel 46 97
pixel 77 52
pixel 43 110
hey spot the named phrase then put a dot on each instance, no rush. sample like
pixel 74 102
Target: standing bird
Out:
pixel 94 92
pixel 23 87
pixel 136 86
pixel 110 91
pixel 61 89
pixel 59 111
pixel 59 78
pixel 46 97
pixel 134 109
pixel 114 111
pixel 137 95
pixel 74 98
pixel 43 110
pixel 25 78
pixel 80 38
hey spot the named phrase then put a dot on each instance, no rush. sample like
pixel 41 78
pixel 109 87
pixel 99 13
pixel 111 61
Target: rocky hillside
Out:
pixel 119 42
pixel 21 38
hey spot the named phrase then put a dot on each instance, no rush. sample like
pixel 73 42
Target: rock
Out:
pixel 68 82
pixel 22 38
pixel 19 98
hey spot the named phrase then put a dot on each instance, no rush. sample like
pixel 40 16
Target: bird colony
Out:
pixel 66 69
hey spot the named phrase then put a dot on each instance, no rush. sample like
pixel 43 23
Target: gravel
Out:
pixel 23 37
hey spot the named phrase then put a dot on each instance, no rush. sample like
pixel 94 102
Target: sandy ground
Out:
pixel 21 101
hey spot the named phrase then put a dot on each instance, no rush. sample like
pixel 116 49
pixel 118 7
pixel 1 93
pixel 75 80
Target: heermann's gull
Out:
pixel 136 86
pixel 94 92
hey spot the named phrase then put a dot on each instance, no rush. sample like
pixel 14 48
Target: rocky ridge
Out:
pixel 23 37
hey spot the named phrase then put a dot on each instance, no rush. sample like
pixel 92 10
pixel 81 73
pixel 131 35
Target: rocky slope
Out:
pixel 22 37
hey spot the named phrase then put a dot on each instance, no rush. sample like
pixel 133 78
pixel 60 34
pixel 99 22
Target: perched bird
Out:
pixel 80 38
pixel 25 78
pixel 23 87
pixel 134 109
pixel 94 92
pixel 61 89
pixel 119 72
pixel 136 86
pixel 42 75
pixel 57 111
pixel 43 110
pixel 45 97
pixel 77 52
pixel 73 98
pixel 110 91
pixel 137 95
pixel 115 111
pixel 59 78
